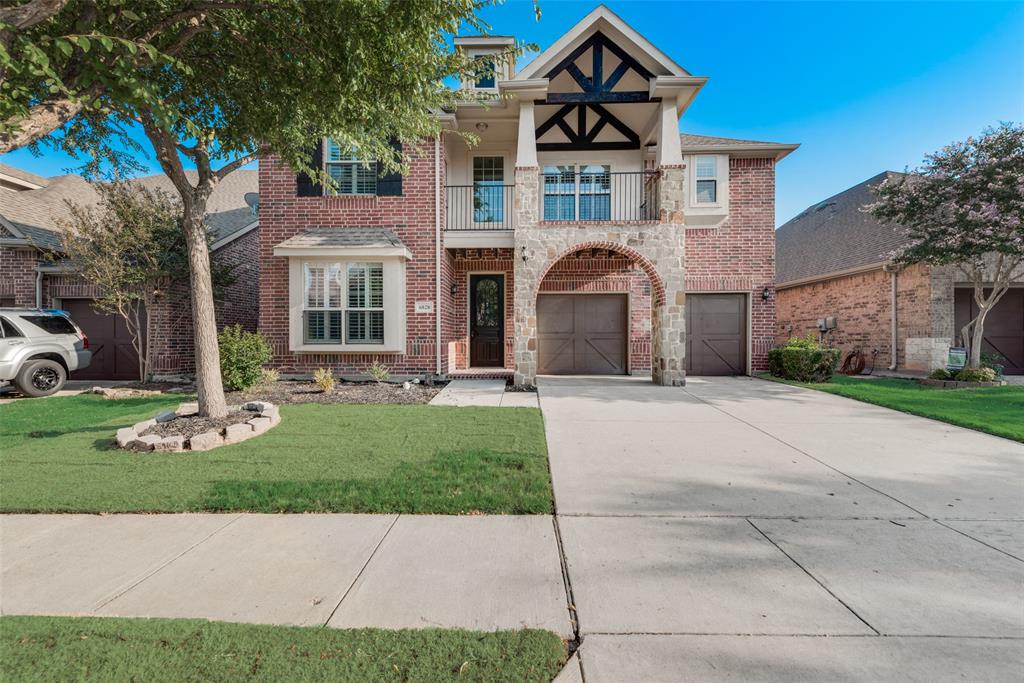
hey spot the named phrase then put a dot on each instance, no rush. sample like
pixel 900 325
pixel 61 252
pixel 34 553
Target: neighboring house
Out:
pixel 832 261
pixel 583 234
pixel 32 211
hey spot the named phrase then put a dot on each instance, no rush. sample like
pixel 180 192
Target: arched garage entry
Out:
pixel 595 306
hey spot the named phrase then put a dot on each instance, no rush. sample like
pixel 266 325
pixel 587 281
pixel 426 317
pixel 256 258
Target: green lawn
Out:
pixel 996 410
pixel 107 649
pixel 57 454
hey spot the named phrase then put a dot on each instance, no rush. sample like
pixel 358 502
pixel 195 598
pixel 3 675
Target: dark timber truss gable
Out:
pixel 596 91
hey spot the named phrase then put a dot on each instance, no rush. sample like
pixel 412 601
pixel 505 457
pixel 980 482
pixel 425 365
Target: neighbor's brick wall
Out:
pixel 601 270
pixel 17 275
pixel 240 302
pixel 861 304
pixel 739 254
pixel 410 216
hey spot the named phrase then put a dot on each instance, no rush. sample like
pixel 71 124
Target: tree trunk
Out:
pixel 42 120
pixel 204 324
pixel 977 337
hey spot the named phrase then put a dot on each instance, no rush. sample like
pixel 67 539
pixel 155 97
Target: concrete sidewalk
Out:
pixel 483 392
pixel 340 570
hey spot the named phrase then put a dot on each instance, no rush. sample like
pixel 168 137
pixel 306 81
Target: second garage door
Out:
pixel 716 334
pixel 113 356
pixel 583 334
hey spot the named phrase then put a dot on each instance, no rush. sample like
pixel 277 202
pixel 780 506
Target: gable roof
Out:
pixel 604 20
pixel 835 236
pixel 35 216
pixel 21 178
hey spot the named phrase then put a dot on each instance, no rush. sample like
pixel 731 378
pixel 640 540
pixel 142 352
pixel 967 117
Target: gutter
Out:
pixel 39 289
pixel 437 254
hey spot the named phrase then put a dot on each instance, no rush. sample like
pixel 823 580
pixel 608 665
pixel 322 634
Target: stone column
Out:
pixel 668 322
pixel 529 258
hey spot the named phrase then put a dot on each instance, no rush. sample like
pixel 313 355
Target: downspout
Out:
pixel 894 350
pixel 39 289
pixel 437 254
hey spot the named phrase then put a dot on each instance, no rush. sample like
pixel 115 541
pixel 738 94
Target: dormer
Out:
pixel 492 50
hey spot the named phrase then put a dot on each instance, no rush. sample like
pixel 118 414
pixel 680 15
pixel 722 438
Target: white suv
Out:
pixel 39 348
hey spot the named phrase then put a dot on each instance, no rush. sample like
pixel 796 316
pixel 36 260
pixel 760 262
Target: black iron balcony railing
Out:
pixel 599 196
pixel 482 206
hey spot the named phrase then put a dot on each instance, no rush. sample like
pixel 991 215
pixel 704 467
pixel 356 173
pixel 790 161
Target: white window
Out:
pixel 582 190
pixel 327 315
pixel 488 189
pixel 707 180
pixel 350 174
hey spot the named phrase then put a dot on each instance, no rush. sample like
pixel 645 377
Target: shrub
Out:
pixel 976 375
pixel 269 376
pixel 379 373
pixel 993 360
pixel 803 364
pixel 940 373
pixel 324 379
pixel 242 355
pixel 808 341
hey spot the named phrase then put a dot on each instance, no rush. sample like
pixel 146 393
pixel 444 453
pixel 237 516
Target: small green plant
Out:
pixel 808 341
pixel 803 364
pixel 378 372
pixel 976 375
pixel 993 360
pixel 940 373
pixel 269 377
pixel 324 379
pixel 242 355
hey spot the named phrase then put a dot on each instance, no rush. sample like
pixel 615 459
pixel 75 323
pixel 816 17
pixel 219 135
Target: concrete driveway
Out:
pixel 722 531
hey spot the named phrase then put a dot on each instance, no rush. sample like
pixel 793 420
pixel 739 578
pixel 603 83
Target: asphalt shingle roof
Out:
pixel 23 175
pixel 691 142
pixel 835 235
pixel 43 211
pixel 343 237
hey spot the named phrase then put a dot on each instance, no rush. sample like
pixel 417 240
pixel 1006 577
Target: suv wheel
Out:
pixel 41 378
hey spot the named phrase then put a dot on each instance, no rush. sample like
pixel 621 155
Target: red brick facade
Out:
pixel 410 216
pixel 170 318
pixel 739 254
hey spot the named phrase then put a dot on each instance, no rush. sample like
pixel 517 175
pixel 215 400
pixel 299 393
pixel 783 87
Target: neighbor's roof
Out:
pixel 39 214
pixel 326 237
pixel 707 143
pixel 835 236
pixel 23 175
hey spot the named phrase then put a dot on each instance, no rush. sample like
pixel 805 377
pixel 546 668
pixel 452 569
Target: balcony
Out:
pixel 594 194
pixel 480 207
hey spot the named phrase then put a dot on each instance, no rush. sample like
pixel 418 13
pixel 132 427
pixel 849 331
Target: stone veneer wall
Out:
pixel 657 247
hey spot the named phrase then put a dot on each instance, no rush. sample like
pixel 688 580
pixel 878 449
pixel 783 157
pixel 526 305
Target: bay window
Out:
pixel 331 318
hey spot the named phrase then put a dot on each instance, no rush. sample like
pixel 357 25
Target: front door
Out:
pixel 487 321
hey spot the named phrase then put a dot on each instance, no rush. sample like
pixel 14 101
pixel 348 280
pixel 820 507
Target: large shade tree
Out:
pixel 964 207
pixel 223 82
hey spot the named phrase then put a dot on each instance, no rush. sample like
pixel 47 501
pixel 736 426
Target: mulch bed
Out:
pixel 364 393
pixel 189 426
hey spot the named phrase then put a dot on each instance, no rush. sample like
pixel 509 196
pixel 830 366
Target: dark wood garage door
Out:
pixel 582 334
pixel 113 356
pixel 716 334
pixel 1004 326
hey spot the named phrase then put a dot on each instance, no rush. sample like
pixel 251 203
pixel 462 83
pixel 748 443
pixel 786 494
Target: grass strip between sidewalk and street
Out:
pixel 115 649
pixel 995 410
pixel 58 455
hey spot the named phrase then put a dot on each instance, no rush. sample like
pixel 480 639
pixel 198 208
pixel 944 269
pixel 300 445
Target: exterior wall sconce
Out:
pixel 455 289
pixel 523 251
pixel 766 294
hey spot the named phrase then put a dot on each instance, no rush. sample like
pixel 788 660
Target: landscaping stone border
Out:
pixel 265 416
pixel 957 384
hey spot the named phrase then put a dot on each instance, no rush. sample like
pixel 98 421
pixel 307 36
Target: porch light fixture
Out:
pixel 455 288
pixel 523 251
pixel 766 294
pixel 481 126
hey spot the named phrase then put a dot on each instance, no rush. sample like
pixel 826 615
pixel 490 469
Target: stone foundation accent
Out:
pixel 657 248
pixel 926 353
pixel 265 416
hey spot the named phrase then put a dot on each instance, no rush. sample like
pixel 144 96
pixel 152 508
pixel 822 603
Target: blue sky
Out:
pixel 864 87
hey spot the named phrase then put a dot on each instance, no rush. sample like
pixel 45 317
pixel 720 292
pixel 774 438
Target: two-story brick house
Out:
pixel 582 234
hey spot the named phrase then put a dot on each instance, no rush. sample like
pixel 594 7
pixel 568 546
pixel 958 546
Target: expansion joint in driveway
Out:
pixel 813 577
pixel 362 569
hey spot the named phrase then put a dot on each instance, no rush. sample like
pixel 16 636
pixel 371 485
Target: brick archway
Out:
pixel 657 284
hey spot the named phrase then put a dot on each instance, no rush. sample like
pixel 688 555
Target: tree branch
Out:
pixel 31 13
pixel 238 163
pixel 42 119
